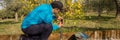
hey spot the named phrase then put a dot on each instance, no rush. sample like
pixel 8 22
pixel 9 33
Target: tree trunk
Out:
pixel 99 14
pixel 21 18
pixel 87 8
pixel 99 9
pixel 117 8
pixel 16 17
pixel 0 18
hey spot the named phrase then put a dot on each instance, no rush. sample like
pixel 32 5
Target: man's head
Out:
pixel 57 6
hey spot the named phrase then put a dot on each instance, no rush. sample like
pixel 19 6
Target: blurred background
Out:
pixel 79 15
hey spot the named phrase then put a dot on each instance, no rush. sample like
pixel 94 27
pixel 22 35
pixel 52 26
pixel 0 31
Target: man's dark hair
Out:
pixel 57 4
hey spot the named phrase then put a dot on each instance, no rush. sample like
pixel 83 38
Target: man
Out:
pixel 38 24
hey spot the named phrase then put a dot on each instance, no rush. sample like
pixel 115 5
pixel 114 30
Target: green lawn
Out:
pixel 91 22
pixel 9 28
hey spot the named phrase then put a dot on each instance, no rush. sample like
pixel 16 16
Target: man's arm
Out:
pixel 49 20
pixel 60 24
pixel 55 26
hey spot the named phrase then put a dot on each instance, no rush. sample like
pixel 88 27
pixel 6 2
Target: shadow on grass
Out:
pixel 103 18
pixel 9 22
pixel 86 28
pixel 83 29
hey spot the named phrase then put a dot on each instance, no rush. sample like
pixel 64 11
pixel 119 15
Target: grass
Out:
pixel 112 23
pixel 91 22
pixel 10 28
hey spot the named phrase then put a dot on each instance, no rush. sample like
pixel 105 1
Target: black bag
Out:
pixel 79 36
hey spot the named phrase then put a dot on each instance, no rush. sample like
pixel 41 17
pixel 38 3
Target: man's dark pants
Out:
pixel 38 32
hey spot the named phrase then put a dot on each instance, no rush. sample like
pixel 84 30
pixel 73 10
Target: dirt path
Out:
pixel 106 34
pixel 53 36
pixel 56 36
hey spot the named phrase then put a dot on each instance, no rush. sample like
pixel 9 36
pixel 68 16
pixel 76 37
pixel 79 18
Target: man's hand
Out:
pixel 60 24
pixel 59 18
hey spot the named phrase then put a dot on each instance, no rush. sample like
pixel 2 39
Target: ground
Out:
pixel 9 27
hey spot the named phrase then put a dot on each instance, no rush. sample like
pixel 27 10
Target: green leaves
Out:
pixel 75 11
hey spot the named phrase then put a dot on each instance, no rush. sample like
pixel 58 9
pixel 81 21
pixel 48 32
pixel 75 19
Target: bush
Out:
pixel 74 11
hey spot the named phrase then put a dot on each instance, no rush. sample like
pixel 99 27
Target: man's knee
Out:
pixel 48 27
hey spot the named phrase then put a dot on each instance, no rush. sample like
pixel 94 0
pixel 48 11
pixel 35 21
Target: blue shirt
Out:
pixel 42 13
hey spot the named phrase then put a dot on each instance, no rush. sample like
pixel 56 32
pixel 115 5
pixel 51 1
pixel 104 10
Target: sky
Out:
pixel 0 5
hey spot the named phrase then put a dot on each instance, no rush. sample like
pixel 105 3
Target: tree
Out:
pixel 99 6
pixel 16 9
pixel 29 5
pixel 117 2
pixel 12 7
pixel 74 11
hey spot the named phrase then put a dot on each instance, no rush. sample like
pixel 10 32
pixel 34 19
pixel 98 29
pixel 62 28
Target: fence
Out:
pixel 104 35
